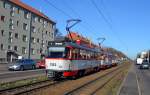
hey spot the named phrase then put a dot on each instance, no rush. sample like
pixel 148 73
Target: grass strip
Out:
pixel 18 83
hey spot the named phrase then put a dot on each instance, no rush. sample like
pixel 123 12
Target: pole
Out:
pixel 68 27
pixel 148 57
pixel 102 40
pixel 30 35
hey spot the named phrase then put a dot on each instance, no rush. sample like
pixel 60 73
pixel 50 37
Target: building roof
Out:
pixel 29 8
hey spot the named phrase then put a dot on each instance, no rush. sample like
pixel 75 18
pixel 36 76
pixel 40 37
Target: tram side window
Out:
pixel 76 53
pixel 88 55
pixel 67 53
pixel 73 54
pixel 81 54
pixel 95 56
pixel 91 55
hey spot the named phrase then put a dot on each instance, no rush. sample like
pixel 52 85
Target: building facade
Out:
pixel 24 31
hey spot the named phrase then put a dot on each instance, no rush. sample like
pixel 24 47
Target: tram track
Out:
pixel 91 87
pixel 49 84
pixel 64 87
pixel 28 88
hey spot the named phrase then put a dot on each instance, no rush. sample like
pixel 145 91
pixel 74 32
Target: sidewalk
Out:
pixel 130 85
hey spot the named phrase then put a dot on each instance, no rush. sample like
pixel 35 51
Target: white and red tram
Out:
pixel 68 59
pixel 106 60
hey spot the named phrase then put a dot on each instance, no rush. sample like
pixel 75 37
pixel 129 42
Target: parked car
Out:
pixel 144 65
pixel 23 64
pixel 40 64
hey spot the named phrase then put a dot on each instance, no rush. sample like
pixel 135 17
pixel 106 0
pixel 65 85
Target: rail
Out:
pixel 28 88
pixel 84 86
pixel 48 83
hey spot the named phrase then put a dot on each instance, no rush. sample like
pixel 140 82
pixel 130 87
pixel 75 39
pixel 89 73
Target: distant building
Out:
pixel 24 31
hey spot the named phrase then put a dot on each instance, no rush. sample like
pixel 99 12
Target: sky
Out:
pixel 124 23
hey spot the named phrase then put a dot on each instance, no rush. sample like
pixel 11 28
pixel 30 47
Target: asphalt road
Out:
pixel 144 80
pixel 19 75
pixel 8 76
pixel 137 82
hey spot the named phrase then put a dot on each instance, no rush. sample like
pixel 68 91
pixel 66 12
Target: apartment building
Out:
pixel 24 31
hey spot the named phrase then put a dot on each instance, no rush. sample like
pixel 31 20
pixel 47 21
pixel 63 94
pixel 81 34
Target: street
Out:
pixel 144 80
pixel 7 76
pixel 137 82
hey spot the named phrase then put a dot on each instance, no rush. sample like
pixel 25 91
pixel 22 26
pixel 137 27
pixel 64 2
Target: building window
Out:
pixel 2 32
pixel 33 29
pixel 6 5
pixel 33 40
pixel 45 22
pixel 24 38
pixel 41 50
pixel 35 18
pixel 32 51
pixel 16 35
pixel 2 47
pixel 38 40
pixel 15 48
pixel 3 18
pixel 9 47
pixel 26 14
pixel 11 21
pixel 9 40
pixel 46 32
pixel 52 34
pixel 24 50
pixel 17 23
pixel 43 45
pixel 12 13
pixel 40 19
pixel 11 26
pixel 42 41
pixel 13 8
pixel 18 10
pixel 25 26
pixel 10 34
pixel 49 33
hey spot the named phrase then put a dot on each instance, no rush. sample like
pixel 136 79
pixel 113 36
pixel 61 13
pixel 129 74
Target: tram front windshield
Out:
pixel 57 52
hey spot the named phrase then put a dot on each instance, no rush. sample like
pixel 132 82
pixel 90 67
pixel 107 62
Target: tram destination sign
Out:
pixel 56 43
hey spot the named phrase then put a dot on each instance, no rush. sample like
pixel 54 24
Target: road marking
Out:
pixel 139 90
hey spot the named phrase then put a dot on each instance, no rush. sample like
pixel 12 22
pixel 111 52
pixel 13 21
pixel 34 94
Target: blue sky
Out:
pixel 130 21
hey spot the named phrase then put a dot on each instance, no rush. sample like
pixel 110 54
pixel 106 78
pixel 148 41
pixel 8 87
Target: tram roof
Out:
pixel 73 44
